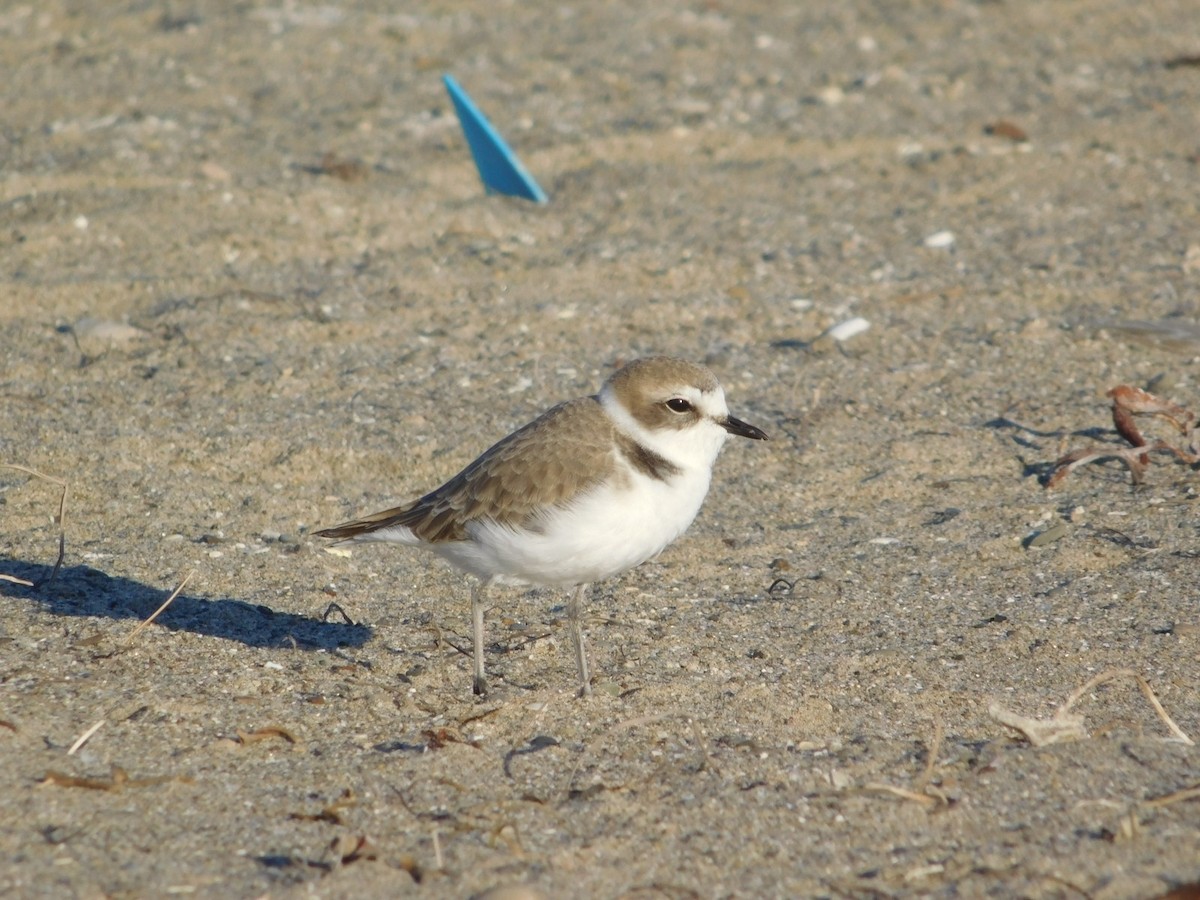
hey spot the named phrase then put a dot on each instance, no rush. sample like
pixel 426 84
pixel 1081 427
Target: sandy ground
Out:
pixel 251 287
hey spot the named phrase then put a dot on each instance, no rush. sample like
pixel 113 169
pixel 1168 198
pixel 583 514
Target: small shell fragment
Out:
pixel 843 331
pixel 106 331
pixel 1055 532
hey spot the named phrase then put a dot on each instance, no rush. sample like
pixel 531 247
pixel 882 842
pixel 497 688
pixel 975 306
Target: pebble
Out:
pixel 1191 258
pixel 940 240
pixel 831 95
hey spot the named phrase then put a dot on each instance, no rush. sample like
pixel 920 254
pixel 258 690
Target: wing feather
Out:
pixel 565 451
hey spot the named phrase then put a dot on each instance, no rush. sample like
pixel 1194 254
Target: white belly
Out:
pixel 604 533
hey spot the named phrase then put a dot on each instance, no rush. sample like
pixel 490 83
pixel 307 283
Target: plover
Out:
pixel 589 489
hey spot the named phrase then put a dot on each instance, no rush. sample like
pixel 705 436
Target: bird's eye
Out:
pixel 679 405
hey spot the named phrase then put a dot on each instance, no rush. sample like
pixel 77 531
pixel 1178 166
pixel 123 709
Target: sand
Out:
pixel 252 287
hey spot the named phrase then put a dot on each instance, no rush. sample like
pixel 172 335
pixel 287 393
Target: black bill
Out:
pixel 743 429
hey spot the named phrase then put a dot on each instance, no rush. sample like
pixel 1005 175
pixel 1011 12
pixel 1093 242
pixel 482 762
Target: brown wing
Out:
pixel 565 450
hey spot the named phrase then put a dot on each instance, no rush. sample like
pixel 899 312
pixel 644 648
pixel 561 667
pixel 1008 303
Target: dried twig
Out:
pixel 935 749
pixel 62 534
pixel 1192 793
pixel 245 738
pixel 924 800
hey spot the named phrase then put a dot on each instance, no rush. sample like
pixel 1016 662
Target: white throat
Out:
pixel 692 448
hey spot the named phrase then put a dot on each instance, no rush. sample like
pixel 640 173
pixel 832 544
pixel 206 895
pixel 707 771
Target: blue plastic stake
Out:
pixel 498 166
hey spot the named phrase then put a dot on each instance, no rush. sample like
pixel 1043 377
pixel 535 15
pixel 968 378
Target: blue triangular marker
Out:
pixel 498 166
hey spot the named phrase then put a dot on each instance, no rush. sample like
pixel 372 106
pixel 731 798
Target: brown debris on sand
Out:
pixel 1127 403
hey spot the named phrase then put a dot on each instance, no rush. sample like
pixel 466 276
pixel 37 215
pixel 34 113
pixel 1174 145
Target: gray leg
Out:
pixel 478 683
pixel 575 616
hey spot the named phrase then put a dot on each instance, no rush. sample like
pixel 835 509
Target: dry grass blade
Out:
pixel 154 615
pixel 922 792
pixel 1192 793
pixel 118 780
pixel 1147 691
pixel 83 738
pixel 62 779
pixel 935 749
pixel 62 534
pixel 925 800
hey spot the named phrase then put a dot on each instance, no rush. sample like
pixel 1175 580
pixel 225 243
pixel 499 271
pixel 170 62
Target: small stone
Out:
pixel 214 172
pixel 1006 129
pixel 831 95
pixel 840 779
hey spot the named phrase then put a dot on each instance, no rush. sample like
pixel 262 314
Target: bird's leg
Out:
pixel 478 683
pixel 575 617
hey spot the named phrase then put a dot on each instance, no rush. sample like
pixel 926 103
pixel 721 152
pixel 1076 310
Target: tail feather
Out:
pixel 358 528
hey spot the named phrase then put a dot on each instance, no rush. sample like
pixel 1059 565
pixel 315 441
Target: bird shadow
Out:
pixel 84 591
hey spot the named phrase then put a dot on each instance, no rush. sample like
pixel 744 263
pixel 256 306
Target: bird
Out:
pixel 589 489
